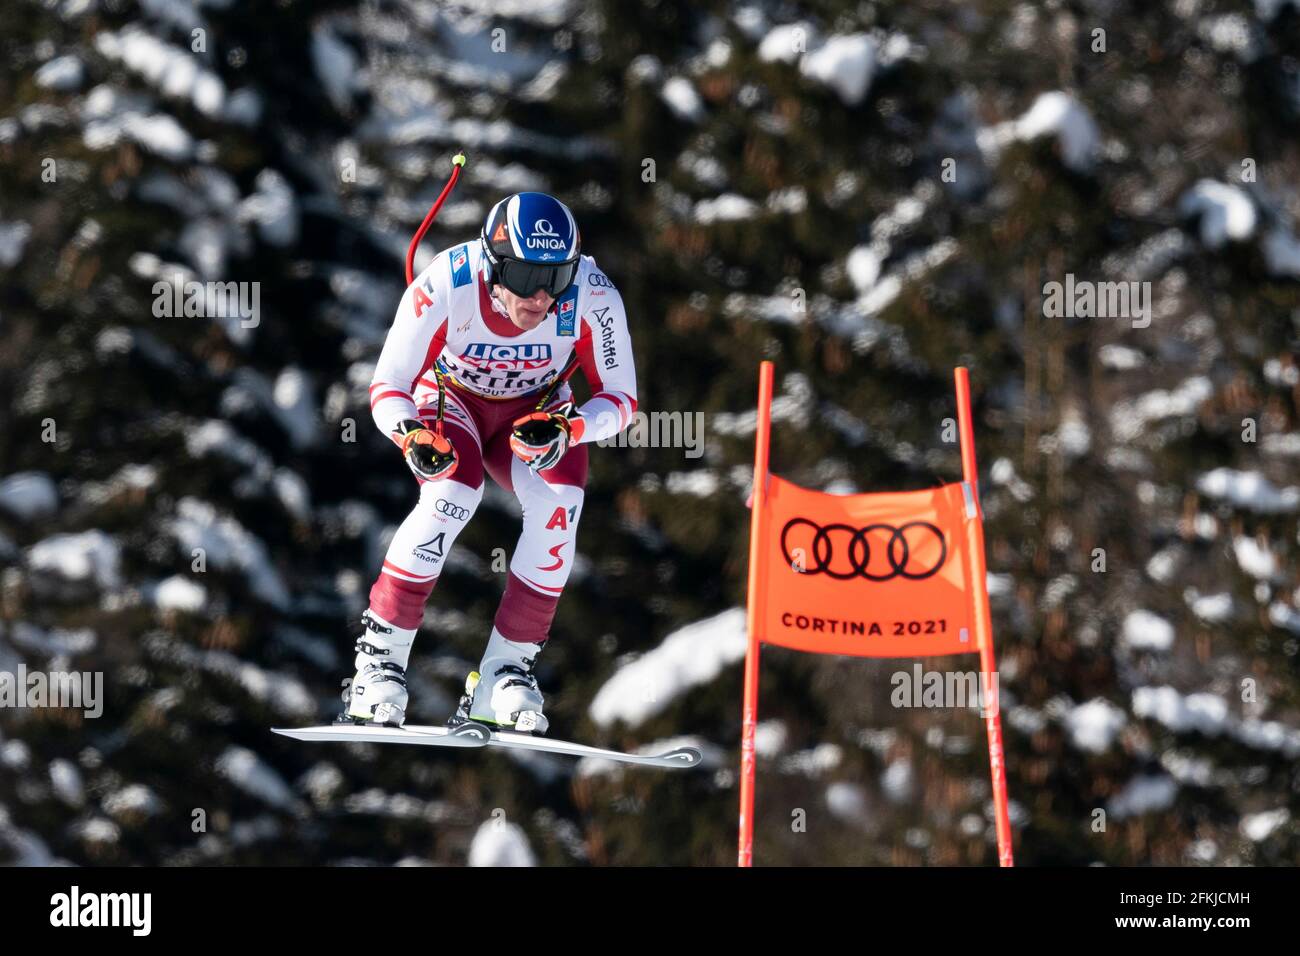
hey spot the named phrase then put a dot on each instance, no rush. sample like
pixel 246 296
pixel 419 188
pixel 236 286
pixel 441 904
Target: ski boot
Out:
pixel 377 694
pixel 508 697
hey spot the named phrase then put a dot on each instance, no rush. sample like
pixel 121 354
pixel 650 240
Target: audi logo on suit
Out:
pixel 445 507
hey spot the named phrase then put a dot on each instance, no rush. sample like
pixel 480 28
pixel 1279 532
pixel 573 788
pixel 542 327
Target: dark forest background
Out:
pixel 866 193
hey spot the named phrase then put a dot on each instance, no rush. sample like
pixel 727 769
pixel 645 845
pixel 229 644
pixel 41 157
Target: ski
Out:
pixel 479 735
pixel 466 735
pixel 680 758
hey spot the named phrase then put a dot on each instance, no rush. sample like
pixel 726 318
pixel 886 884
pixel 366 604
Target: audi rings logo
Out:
pixel 445 507
pixel 843 552
pixel 599 279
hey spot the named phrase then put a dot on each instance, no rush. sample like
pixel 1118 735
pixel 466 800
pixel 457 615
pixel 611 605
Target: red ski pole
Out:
pixel 457 162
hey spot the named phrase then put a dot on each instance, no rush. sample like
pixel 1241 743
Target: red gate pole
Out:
pixel 983 622
pixel 753 612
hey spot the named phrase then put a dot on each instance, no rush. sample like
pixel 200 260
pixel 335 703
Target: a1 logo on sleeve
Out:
pixel 460 267
pixel 423 297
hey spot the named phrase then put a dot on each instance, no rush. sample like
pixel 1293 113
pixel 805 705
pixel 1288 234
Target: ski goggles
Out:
pixel 525 278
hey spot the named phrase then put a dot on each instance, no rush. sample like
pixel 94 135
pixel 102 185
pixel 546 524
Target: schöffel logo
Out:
pixel 849 556
pixel 431 550
pixel 451 509
pixel 608 353
pixel 488 355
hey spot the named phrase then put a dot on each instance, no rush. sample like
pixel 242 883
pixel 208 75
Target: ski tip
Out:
pixel 684 757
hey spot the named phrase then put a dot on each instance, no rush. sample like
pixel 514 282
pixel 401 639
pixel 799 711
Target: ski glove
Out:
pixel 540 439
pixel 429 454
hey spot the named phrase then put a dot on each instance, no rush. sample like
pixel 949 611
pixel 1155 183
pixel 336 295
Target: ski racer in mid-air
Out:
pixel 466 387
